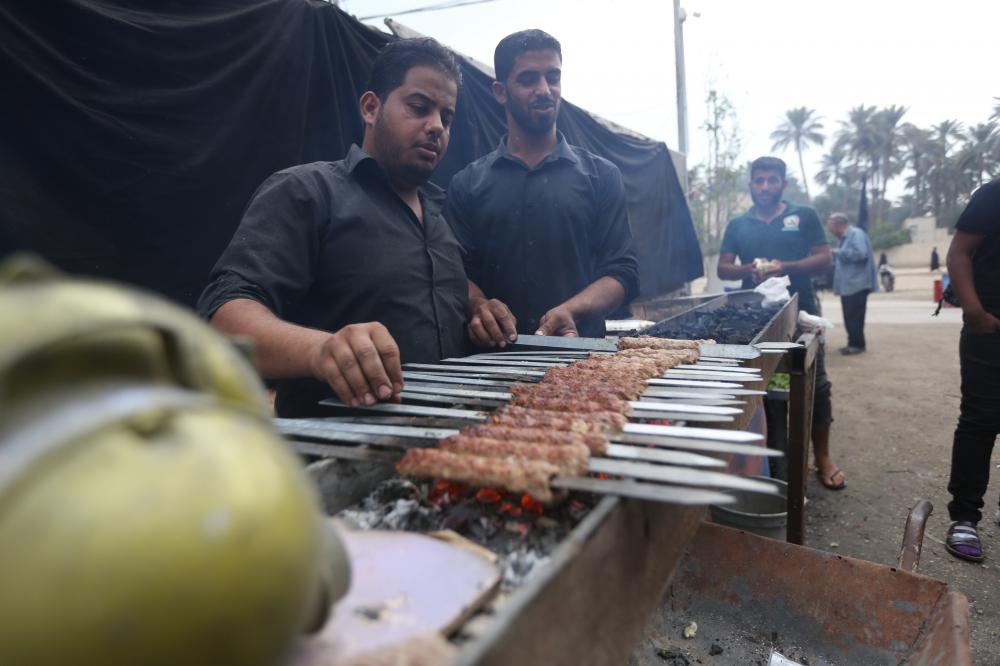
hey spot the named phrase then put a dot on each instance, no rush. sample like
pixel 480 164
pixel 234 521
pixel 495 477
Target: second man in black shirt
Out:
pixel 543 224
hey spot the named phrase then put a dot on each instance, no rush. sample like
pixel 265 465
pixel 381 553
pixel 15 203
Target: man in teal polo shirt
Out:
pixel 777 238
pixel 789 236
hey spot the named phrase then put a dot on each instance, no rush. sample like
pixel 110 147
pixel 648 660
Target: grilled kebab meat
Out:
pixel 554 426
pixel 596 444
pixel 592 422
pixel 595 403
pixel 582 390
pixel 660 343
pixel 571 459
pixel 517 475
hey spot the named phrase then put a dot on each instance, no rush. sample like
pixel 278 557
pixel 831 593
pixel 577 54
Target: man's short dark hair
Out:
pixel 398 57
pixel 511 46
pixel 768 164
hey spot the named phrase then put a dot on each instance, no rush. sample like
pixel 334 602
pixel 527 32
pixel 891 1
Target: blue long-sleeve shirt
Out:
pixel 854 264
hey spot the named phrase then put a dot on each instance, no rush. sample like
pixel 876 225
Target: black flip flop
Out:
pixel 830 485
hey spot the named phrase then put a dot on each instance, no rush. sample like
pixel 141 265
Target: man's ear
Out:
pixel 370 105
pixel 500 92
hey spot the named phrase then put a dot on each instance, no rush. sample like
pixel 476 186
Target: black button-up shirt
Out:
pixel 534 237
pixel 329 244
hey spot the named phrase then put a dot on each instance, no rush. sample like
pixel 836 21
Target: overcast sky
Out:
pixel 937 59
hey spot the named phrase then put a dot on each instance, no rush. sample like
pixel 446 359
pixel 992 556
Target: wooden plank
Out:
pixel 800 413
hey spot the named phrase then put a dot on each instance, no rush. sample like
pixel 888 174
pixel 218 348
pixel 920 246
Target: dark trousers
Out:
pixel 978 425
pixel 854 307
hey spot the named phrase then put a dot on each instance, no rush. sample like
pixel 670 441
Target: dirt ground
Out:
pixel 895 409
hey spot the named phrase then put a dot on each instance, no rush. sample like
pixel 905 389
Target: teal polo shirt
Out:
pixel 788 237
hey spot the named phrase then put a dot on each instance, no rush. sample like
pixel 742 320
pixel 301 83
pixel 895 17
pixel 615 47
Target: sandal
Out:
pixel 963 541
pixel 828 481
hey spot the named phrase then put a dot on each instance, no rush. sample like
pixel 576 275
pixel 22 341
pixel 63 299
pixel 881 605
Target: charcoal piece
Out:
pixel 733 324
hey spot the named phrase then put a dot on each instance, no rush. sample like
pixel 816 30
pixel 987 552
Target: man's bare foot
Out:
pixel 831 477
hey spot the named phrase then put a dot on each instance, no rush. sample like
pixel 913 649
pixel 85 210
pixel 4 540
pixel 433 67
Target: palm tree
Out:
pixel 996 109
pixel 857 136
pixel 981 142
pixel 832 166
pixel 799 128
pixel 946 178
pixel 918 156
pixel 888 133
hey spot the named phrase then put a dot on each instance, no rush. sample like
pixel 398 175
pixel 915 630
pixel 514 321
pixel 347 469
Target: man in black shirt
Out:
pixel 974 268
pixel 544 224
pixel 341 270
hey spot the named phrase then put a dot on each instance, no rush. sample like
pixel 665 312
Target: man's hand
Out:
pixel 360 362
pixel 773 269
pixel 980 322
pixel 558 321
pixel 492 323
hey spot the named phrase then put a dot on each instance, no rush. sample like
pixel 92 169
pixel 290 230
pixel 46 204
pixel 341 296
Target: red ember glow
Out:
pixel 488 496
pixel 531 505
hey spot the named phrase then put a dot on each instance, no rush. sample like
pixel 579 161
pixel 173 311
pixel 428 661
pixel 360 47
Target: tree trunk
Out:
pixel 802 170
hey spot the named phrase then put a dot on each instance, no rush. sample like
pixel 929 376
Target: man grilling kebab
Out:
pixel 340 271
pixel 543 224
pixel 776 238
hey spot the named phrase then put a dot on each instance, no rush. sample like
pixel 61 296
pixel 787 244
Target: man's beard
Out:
pixel 774 200
pixel 390 156
pixel 531 124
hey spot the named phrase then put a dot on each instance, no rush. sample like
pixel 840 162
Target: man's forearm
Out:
pixel 811 265
pixel 962 283
pixel 597 299
pixel 280 349
pixel 728 270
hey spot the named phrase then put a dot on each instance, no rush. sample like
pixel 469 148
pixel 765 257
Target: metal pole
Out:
pixel 682 122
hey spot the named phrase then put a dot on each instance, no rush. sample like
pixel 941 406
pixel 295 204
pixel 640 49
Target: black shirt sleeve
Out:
pixel 982 215
pixel 459 212
pixel 272 257
pixel 730 241
pixel 615 256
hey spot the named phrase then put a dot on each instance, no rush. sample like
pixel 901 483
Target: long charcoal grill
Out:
pixel 601 583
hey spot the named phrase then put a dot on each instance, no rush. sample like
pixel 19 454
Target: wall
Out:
pixel 925 235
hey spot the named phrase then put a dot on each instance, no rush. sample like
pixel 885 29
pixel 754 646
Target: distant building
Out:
pixel 925 235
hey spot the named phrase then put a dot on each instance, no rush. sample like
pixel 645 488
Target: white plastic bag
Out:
pixel 812 321
pixel 774 290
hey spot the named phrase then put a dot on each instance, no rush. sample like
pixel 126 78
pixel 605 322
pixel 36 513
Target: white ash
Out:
pixel 519 565
pixel 394 505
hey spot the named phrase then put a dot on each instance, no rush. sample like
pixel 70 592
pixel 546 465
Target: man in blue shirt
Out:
pixel 854 277
pixel 776 238
pixel 543 224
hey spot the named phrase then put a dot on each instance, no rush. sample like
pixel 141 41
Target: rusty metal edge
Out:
pixel 945 636
pixel 913 535
pixel 542 624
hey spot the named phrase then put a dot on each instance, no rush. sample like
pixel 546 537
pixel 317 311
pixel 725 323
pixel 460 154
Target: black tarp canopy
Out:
pixel 133 133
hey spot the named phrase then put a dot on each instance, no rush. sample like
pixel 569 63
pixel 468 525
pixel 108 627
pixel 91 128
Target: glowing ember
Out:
pixel 488 496
pixel 531 505
pixel 446 492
